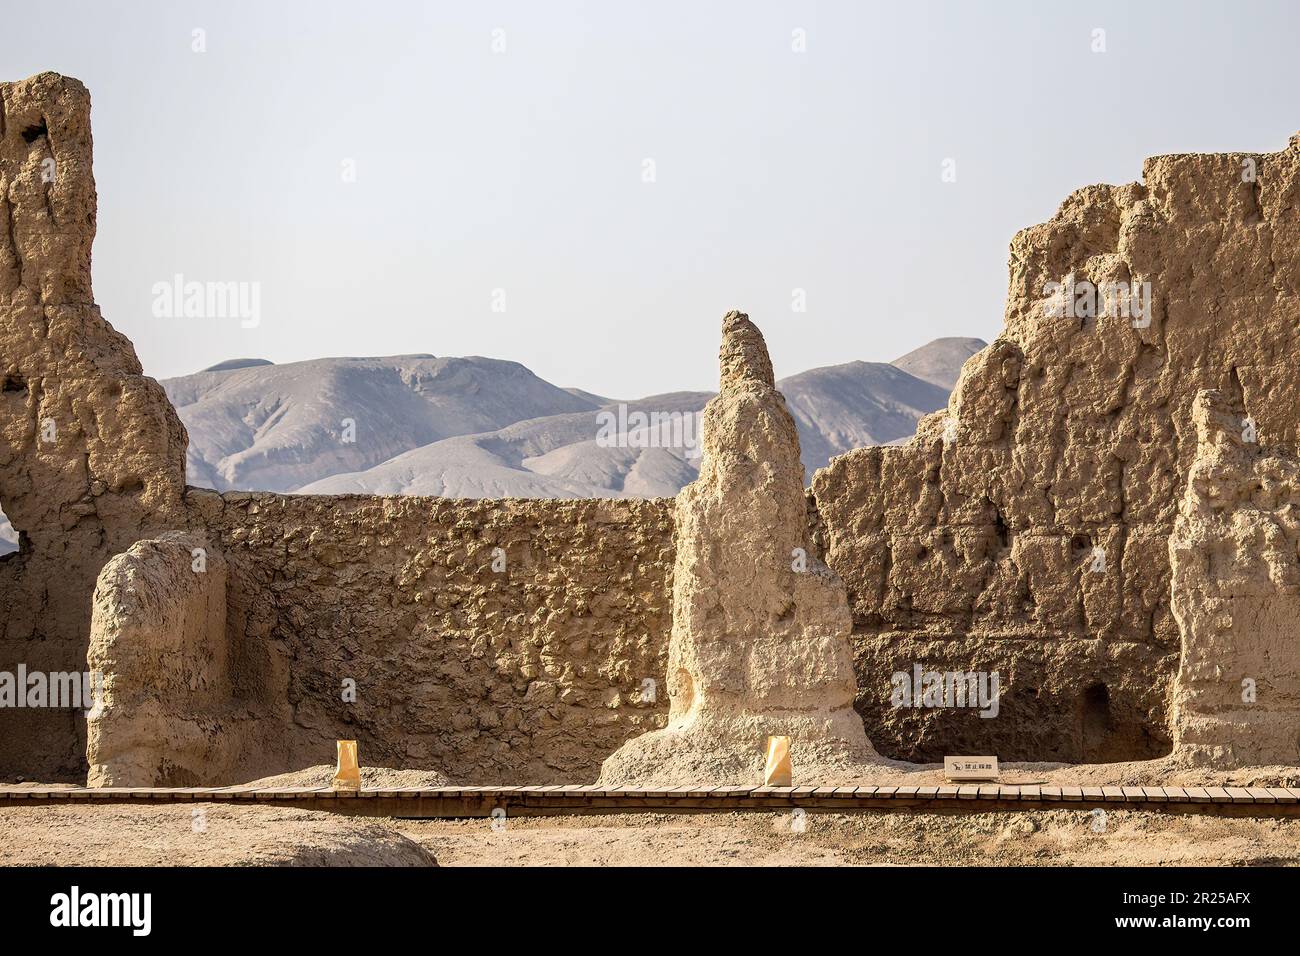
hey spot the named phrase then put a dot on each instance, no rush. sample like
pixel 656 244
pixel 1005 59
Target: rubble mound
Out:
pixel 322 775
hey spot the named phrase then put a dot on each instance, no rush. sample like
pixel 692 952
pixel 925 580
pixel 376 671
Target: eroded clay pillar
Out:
pixel 760 639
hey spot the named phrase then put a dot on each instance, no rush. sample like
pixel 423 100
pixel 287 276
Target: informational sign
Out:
pixel 970 768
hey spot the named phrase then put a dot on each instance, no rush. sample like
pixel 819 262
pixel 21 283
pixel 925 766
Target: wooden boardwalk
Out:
pixel 522 801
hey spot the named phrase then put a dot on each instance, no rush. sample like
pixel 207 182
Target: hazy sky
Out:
pixel 524 169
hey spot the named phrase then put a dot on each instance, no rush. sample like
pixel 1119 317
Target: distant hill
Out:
pixel 559 456
pixel 477 427
pixel 278 427
pixel 842 407
pixel 939 362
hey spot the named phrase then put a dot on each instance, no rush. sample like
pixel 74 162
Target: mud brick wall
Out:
pixel 92 456
pixel 164 715
pixel 975 546
pixel 1235 554
pixel 532 672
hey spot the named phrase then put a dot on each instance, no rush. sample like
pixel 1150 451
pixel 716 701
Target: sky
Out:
pixel 587 187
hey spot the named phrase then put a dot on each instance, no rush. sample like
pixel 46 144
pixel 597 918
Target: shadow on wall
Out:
pixel 1040 716
pixel 1105 737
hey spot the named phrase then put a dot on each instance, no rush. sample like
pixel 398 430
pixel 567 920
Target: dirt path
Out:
pixel 1047 837
pixel 226 835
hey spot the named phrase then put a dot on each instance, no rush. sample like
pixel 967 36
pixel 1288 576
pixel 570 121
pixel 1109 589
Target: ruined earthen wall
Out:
pixel 976 546
pixel 92 455
pixel 1236 596
pixel 457 667
pixel 523 663
pixel 164 714
pixel 760 628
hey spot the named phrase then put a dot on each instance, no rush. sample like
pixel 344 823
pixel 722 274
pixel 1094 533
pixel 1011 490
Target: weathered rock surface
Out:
pixel 493 641
pixel 91 453
pixel 1026 528
pixel 1236 597
pixel 760 639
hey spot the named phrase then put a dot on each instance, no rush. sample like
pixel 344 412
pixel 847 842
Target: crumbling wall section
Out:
pixel 91 453
pixel 1236 597
pixel 494 641
pixel 168 715
pixel 1025 529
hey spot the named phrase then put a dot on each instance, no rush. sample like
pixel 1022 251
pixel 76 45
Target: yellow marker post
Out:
pixel 779 772
pixel 348 775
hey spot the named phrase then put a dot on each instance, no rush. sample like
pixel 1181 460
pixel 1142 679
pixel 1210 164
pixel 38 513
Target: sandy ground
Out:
pixel 1021 838
pixel 240 836
pixel 204 834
